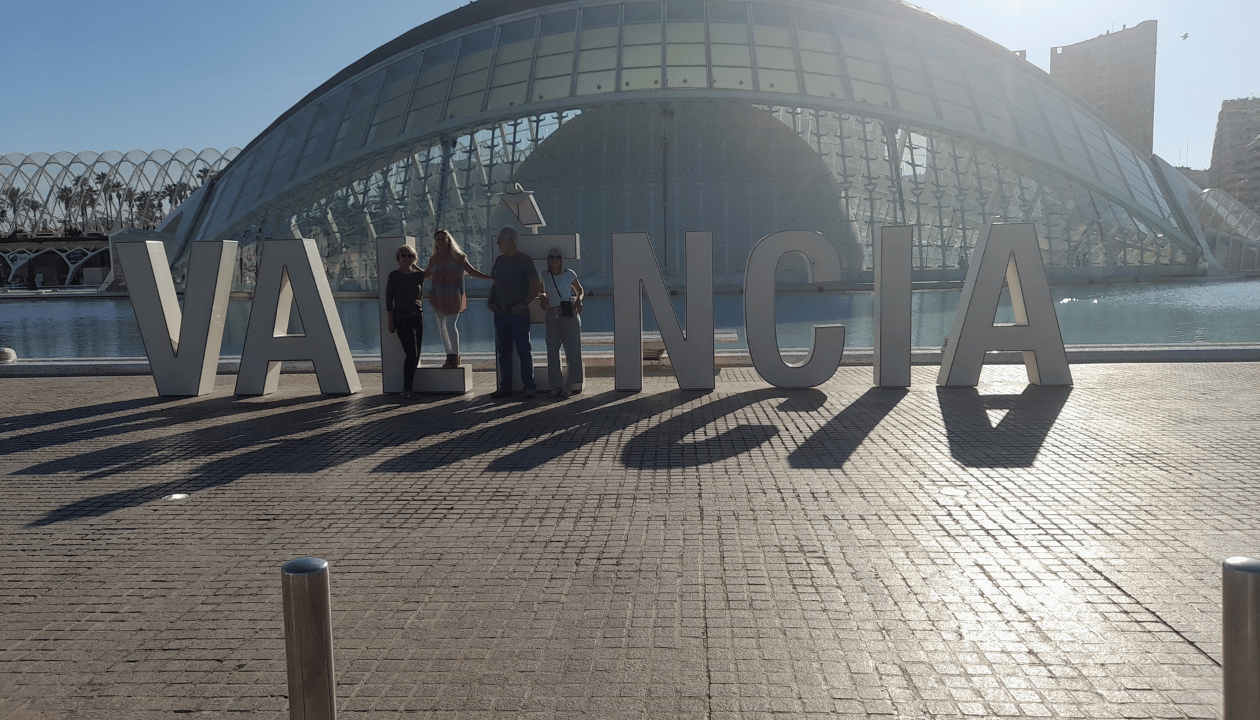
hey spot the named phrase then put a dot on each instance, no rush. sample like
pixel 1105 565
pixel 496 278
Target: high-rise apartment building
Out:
pixel 1236 151
pixel 1115 73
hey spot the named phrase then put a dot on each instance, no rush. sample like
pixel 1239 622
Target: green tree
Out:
pixel 14 198
pixel 66 196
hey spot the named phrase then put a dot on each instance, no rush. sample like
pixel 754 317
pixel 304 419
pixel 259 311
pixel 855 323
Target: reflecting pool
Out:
pixel 1148 313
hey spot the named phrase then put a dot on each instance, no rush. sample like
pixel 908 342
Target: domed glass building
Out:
pixel 667 116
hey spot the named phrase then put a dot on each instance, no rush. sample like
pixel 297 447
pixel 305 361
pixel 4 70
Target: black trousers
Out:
pixel 410 332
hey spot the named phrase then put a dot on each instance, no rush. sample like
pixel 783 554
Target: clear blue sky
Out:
pixel 82 75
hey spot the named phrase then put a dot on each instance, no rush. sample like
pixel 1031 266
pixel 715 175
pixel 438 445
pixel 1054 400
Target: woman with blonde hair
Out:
pixel 447 267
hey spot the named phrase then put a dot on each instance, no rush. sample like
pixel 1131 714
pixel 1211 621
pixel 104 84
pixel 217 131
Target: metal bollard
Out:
pixel 308 639
pixel 1240 637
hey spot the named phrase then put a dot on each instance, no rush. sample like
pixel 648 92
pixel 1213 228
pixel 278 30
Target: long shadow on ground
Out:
pixel 1015 440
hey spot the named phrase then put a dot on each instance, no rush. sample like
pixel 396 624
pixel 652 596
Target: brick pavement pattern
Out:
pixel 752 552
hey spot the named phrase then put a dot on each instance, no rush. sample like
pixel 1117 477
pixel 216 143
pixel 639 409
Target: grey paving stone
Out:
pixel 1011 551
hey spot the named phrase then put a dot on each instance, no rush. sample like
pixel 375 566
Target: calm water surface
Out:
pixel 1148 313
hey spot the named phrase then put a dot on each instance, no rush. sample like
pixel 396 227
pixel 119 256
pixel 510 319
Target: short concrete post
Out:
pixel 308 639
pixel 1240 636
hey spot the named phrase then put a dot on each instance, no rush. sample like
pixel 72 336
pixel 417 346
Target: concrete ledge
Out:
pixel 455 381
pixel 598 363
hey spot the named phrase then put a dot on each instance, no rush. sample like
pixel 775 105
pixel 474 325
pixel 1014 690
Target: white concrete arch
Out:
pixel 33 188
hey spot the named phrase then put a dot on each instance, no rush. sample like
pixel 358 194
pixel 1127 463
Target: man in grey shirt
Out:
pixel 515 285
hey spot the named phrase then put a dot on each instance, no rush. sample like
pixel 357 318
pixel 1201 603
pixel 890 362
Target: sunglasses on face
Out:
pixel 555 257
pixel 403 255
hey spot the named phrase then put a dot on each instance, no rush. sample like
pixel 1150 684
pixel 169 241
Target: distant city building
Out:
pixel 1236 151
pixel 1115 73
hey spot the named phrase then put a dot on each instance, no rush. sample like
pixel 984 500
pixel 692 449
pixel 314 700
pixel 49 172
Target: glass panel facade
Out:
pixel 730 46
pixel 597 61
pixel 642 36
pixel 948 187
pixel 980 138
pixel 554 62
pixel 509 80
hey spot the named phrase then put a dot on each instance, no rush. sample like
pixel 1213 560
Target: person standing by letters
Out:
pixel 563 301
pixel 515 286
pixel 403 302
pixel 447 266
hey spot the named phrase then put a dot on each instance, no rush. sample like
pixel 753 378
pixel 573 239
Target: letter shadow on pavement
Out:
pixel 1015 440
pixel 541 436
pixel 666 446
pixel 832 445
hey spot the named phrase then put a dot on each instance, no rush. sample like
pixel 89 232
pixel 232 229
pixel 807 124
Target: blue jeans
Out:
pixel 512 332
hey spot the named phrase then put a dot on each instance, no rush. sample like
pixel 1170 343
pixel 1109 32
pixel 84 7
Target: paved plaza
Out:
pixel 751 552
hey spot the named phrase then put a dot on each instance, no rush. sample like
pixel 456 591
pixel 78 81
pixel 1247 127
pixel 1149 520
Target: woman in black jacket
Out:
pixel 403 301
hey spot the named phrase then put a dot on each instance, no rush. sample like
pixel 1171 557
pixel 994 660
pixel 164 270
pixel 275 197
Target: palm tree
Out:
pixel 150 204
pixel 33 207
pixel 78 182
pixel 204 175
pixel 170 192
pixel 87 201
pixel 14 197
pixel 108 191
pixel 127 196
pixel 65 196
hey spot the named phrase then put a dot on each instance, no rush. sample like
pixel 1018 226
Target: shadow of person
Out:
pixel 260 432
pixel 1015 440
pixel 832 445
pixel 306 440
pixel 666 445
pixel 102 420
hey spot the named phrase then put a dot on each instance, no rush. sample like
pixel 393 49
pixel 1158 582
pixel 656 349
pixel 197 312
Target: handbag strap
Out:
pixel 554 285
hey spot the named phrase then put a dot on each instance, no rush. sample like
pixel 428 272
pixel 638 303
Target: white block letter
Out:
pixel 183 349
pixel 391 349
pixel 763 339
pixel 289 272
pixel 892 306
pixel 1008 250
pixel 636 271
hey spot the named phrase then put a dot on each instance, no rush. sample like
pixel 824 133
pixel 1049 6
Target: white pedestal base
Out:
pixel 456 381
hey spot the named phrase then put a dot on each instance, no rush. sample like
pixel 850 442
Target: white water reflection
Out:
pixel 1148 313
